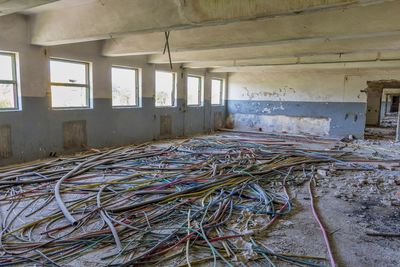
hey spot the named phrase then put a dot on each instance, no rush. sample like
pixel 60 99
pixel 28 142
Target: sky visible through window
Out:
pixel 6 67
pixel 124 87
pixel 7 90
pixel 70 75
pixel 165 88
pixel 216 92
pixel 193 91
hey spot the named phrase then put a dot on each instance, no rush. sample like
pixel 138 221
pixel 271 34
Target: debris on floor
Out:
pixel 386 130
pixel 205 200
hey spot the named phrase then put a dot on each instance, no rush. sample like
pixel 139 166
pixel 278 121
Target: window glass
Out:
pixel 7 96
pixel 8 82
pixel 68 72
pixel 194 91
pixel 66 96
pixel 6 67
pixel 216 92
pixel 69 84
pixel 165 89
pixel 124 86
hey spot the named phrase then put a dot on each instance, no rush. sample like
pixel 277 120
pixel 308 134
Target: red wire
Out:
pixel 321 226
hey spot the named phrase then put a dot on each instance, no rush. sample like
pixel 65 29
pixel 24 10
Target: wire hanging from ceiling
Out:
pixel 166 48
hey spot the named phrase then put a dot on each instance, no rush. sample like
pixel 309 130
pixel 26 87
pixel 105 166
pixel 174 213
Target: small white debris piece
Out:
pixel 322 173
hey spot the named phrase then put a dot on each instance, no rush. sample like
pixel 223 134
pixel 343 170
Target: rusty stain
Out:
pixel 74 134
pixel 165 125
pixel 352 114
pixel 229 123
pixel 218 121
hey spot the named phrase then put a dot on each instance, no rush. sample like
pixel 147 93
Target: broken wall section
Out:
pixel 388 100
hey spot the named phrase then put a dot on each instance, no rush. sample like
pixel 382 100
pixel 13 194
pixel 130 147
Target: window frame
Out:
pixel 200 90
pixel 88 85
pixel 137 87
pixel 15 82
pixel 174 89
pixel 222 92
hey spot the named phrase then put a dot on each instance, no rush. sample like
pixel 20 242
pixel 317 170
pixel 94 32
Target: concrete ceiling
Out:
pixel 104 19
pixel 335 24
pixel 371 65
pixel 279 50
pixel 13 6
pixel 230 34
pixel 56 5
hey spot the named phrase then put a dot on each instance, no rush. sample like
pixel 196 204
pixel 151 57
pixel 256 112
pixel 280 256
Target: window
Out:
pixel 194 91
pixel 217 92
pixel 70 84
pixel 8 82
pixel 165 89
pixel 125 87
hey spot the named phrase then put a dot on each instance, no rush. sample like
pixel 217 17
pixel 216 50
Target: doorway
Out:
pixel 383 99
pixel 394 107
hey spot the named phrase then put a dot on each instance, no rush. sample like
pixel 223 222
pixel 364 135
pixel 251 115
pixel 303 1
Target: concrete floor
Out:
pixel 351 204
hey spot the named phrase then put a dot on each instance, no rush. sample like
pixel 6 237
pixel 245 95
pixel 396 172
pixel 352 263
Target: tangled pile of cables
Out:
pixel 200 200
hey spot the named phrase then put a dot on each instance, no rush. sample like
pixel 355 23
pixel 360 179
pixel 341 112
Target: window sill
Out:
pixel 71 108
pixel 10 110
pixel 195 106
pixel 126 107
pixel 165 106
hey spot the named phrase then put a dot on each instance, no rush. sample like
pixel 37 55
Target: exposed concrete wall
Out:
pixel 328 102
pixel 37 130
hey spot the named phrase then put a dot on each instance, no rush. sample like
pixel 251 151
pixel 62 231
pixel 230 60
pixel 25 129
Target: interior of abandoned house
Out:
pixel 199 133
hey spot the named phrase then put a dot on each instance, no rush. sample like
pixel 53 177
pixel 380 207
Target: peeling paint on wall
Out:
pixel 269 110
pixel 278 94
pixel 282 124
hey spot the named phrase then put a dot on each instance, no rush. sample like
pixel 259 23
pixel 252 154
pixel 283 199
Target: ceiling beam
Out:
pixel 378 42
pixel 368 64
pixel 110 18
pixel 12 6
pixel 310 59
pixel 328 25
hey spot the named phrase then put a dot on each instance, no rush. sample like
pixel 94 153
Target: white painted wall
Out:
pixel 34 66
pixel 106 126
pixel 319 102
pixel 14 37
pixel 307 85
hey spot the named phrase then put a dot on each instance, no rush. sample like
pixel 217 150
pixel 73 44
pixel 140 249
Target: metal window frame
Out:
pixel 221 92
pixel 137 90
pixel 87 85
pixel 14 81
pixel 199 90
pixel 173 93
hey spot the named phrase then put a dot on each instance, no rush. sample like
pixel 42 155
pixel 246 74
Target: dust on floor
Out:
pixel 352 204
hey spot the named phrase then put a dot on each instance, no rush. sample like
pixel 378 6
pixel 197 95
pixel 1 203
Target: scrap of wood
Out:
pixel 383 234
